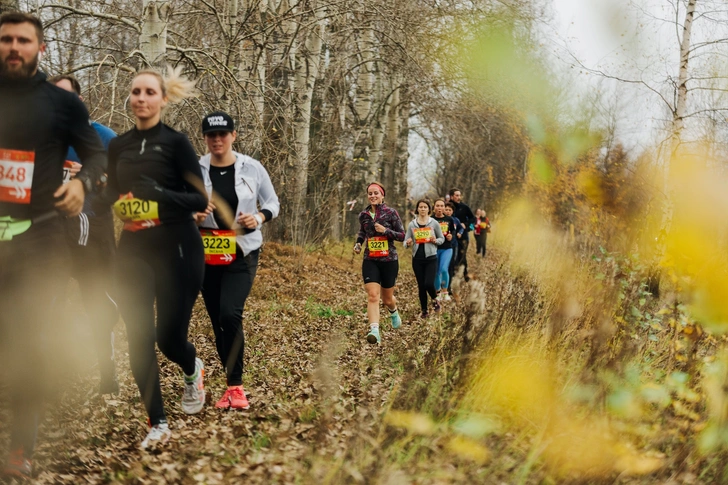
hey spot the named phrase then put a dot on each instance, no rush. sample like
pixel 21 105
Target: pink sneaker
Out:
pixel 234 397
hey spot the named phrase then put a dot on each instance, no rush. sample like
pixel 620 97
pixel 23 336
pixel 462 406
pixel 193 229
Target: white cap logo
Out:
pixel 216 121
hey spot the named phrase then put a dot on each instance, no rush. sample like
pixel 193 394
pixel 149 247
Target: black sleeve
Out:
pixel 110 193
pixel 186 160
pixel 86 142
pixel 469 217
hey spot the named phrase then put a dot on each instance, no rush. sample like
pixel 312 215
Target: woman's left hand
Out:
pixel 379 228
pixel 247 221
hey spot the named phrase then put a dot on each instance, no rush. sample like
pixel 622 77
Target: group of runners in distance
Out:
pixel 438 235
pixel 190 225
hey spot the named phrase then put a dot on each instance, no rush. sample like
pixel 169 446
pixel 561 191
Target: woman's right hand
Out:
pixel 201 216
pixel 408 242
pixel 357 248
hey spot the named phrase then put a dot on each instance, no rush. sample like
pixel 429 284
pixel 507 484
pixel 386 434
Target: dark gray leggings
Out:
pixel 164 264
pixel 225 290
pixel 425 272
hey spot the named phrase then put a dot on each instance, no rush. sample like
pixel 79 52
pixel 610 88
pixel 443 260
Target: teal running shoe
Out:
pixel 396 319
pixel 373 336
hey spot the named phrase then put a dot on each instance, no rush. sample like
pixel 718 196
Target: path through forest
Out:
pixel 317 391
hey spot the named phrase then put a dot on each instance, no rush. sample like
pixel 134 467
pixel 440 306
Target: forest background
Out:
pixel 600 354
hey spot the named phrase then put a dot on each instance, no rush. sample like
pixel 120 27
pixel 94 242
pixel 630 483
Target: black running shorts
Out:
pixel 382 272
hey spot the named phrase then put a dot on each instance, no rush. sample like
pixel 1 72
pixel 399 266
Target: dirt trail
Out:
pixel 316 388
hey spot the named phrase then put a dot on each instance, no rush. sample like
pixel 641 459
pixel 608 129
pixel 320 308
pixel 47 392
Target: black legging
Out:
pixel 225 290
pixel 425 271
pixel 462 255
pixel 33 275
pixel 165 263
pixel 480 242
pixel 92 268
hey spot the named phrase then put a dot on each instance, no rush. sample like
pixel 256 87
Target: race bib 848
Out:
pixel 16 176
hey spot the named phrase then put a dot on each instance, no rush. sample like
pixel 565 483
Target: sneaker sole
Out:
pixel 11 472
pixel 372 339
pixel 240 407
pixel 196 409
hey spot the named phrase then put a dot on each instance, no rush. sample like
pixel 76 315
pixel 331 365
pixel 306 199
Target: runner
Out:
pixel 93 246
pixel 232 244
pixel 379 226
pixel 467 218
pixel 482 228
pixel 459 230
pixel 160 257
pixel 38 123
pixel 424 235
pixel 444 251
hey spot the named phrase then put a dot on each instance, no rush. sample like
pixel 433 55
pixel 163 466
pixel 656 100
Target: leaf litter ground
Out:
pixel 317 390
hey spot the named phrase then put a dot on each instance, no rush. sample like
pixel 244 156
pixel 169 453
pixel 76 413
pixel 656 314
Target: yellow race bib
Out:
pixel 220 246
pixel 137 214
pixel 423 235
pixel 378 246
pixel 445 228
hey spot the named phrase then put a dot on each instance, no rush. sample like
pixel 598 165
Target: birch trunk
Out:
pixel 363 103
pixel 678 120
pixel 253 70
pixel 401 167
pixel 382 101
pixel 393 130
pixel 153 37
pixel 306 72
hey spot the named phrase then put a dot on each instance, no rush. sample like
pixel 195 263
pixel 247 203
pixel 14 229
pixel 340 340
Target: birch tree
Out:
pixel 153 36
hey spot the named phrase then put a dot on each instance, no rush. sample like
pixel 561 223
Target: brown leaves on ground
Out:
pixel 317 390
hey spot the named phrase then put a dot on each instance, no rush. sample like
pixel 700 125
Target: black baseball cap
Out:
pixel 217 121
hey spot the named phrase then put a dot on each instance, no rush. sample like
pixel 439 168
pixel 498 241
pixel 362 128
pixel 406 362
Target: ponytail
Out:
pixel 175 87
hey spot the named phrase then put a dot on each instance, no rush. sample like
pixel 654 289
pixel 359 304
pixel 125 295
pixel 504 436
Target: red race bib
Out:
pixel 444 226
pixel 16 176
pixel 378 246
pixel 137 214
pixel 423 235
pixel 220 246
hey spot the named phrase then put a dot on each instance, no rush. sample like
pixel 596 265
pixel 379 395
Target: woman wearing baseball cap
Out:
pixel 232 241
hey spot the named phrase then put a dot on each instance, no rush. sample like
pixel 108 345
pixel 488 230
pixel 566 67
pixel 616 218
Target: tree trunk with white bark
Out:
pixel 153 37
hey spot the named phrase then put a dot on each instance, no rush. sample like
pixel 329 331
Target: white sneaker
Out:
pixel 159 433
pixel 446 297
pixel 193 398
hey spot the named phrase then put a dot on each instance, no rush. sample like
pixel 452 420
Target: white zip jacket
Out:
pixel 253 187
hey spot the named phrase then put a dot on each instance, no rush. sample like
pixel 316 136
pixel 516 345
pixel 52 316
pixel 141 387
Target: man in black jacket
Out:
pixel 467 218
pixel 39 121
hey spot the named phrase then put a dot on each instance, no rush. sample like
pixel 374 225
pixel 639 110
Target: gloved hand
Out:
pixel 148 189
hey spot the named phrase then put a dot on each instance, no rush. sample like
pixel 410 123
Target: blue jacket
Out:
pixel 106 134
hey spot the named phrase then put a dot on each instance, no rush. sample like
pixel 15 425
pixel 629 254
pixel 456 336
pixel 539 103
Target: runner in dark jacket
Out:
pixel 379 227
pixel 467 218
pixel 39 121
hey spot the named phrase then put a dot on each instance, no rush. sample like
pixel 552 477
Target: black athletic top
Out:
pixel 164 156
pixel 38 117
pixel 466 216
pixel 450 229
pixel 223 182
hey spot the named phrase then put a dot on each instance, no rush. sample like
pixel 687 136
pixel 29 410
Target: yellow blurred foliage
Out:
pixel 469 449
pixel 415 423
pixel 519 383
